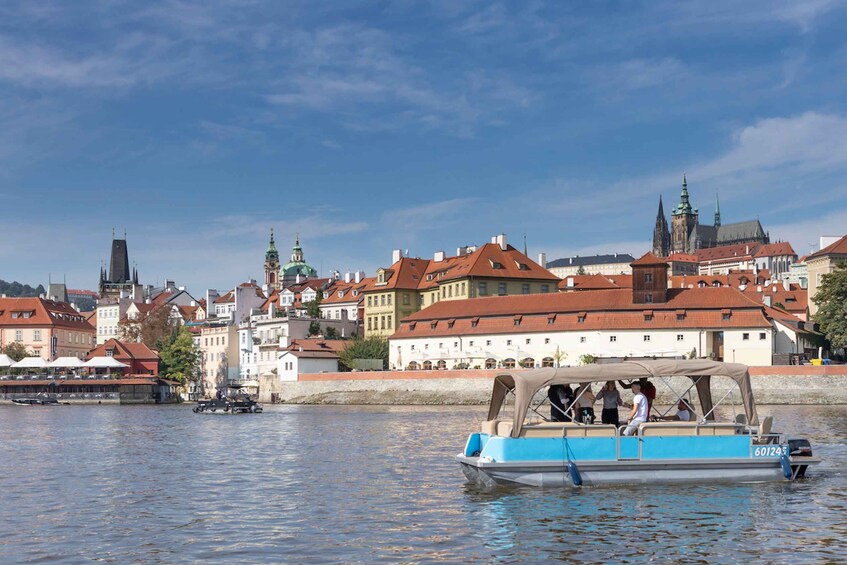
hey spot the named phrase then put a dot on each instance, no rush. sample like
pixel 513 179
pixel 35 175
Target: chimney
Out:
pixel 461 251
pixel 396 255
pixel 192 303
pixel 347 276
pixel 785 284
pixel 359 276
pixel 438 257
pixel 470 249
pixel 181 288
pixel 169 285
pixel 493 239
pixel 501 241
pixel 542 260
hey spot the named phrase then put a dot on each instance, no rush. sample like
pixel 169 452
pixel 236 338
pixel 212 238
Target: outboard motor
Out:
pixel 800 448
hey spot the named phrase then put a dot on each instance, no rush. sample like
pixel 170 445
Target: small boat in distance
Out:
pixel 530 449
pixel 36 401
pixel 233 402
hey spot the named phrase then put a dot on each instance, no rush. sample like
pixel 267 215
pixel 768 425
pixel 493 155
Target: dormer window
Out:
pixel 726 314
pixel 110 353
pixel 648 315
pixel 433 325
pixel 495 264
pixel 580 318
pixel 522 266
pixel 474 322
pixel 518 320
pixel 380 276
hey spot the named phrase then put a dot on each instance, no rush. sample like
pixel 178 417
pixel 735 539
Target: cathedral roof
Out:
pixel 741 230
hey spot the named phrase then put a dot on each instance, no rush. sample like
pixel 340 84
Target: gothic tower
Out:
pixel 683 221
pixel 272 265
pixel 661 234
pixel 717 211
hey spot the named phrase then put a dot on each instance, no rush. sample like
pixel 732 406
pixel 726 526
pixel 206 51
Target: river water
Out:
pixel 301 484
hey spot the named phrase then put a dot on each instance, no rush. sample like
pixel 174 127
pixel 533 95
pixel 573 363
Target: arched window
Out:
pixel 427 366
pixel 547 362
pixel 528 363
pixel 413 366
pixel 490 363
pixel 442 364
pixel 509 363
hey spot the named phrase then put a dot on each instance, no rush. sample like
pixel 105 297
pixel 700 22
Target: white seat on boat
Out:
pixel 765 427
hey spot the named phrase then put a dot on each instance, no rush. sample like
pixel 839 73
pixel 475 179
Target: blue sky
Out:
pixel 368 126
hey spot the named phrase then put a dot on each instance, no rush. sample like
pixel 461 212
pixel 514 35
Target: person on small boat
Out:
pixel 220 394
pixel 647 389
pixel 683 413
pixel 639 412
pixel 560 397
pixel 585 403
pixel 611 400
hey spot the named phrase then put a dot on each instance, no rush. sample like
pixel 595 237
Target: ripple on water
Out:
pixel 371 484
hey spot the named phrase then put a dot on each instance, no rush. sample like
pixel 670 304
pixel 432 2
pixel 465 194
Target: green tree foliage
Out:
pixel 179 359
pixel 15 350
pixel 330 333
pixel 831 299
pixel 373 347
pixel 16 289
pixel 580 270
pixel 587 359
pixel 314 327
pixel 313 308
pixel 154 329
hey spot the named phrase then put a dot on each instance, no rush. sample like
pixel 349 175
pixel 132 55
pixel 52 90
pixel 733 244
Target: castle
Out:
pixel 688 235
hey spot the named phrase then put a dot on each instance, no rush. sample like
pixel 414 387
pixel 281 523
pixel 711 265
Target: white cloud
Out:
pixel 804 233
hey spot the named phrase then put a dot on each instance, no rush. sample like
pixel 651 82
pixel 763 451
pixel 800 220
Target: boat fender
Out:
pixel 786 466
pixel 576 478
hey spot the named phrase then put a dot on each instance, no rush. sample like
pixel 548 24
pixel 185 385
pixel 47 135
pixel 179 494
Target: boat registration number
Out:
pixel 769 451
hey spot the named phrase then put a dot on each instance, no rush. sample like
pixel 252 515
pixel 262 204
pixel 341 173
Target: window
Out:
pixel 648 317
pixel 441 345
pixel 405 300
pixel 646 338
pixel 745 336
pixel 382 322
pixel 648 277
pixel 426 346
pixel 389 300
pixel 680 317
pixel 613 338
pixel 496 265
pixel 450 291
pixel 382 300
pixel 389 322
pixel 487 342
pixel 455 344
pixel 501 288
pixel 19 335
pixel 483 288
pixel 525 288
pixel 508 342
pixel 463 288
pixel 582 339
pixel 110 353
pixel 413 347
pixel 546 340
pixel 528 341
pixel 648 297
pixel 763 335
pixel 36 335
pixel 726 316
pixel 370 326
pixel 545 288
pixel 470 344
pixel 680 337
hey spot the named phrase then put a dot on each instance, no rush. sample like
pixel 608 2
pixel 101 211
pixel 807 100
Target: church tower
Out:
pixel 661 234
pixel 717 211
pixel 683 221
pixel 272 265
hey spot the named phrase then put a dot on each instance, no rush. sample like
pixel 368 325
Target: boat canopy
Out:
pixel 526 383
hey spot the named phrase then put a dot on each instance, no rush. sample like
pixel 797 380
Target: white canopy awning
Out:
pixel 30 363
pixel 5 360
pixel 65 363
pixel 104 363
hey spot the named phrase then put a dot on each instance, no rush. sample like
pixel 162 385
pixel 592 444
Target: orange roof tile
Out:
pixel 648 259
pixel 837 248
pixel 18 312
pixel 774 249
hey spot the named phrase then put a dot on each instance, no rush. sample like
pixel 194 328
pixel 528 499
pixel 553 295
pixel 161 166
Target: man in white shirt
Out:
pixel 683 413
pixel 639 411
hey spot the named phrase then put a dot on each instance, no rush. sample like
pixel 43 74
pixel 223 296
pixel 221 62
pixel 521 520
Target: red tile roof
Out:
pixel 725 252
pixel 774 249
pixel 590 282
pixel 40 312
pixel 837 248
pixel 648 259
pixel 124 350
pixel 682 257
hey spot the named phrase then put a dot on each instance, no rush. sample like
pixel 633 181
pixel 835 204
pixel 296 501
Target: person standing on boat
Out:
pixel 611 400
pixel 560 399
pixel 639 412
pixel 585 404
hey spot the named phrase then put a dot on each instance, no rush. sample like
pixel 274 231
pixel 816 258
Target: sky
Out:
pixel 365 127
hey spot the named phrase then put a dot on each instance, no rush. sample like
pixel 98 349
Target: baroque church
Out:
pixel 688 235
pixel 295 271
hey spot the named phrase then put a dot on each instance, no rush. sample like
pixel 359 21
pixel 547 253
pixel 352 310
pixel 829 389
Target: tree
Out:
pixel 330 333
pixel 831 299
pixel 154 329
pixel 16 351
pixel 179 359
pixel 559 356
pixel 373 347
pixel 313 308
pixel 580 270
pixel 587 359
pixel 314 327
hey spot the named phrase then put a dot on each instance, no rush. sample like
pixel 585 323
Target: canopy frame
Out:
pixel 526 383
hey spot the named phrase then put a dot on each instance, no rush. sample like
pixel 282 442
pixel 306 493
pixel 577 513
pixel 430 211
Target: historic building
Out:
pixel 271 266
pixel 688 235
pixel 48 329
pixel 118 278
pixel 296 270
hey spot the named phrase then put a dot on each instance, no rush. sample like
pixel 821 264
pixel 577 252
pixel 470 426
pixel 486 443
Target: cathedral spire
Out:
pixel 272 254
pixel 661 233
pixel 717 211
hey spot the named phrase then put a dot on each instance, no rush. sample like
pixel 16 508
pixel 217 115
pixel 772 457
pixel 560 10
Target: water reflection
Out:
pixel 370 484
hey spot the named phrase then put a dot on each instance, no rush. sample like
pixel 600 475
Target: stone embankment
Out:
pixel 771 385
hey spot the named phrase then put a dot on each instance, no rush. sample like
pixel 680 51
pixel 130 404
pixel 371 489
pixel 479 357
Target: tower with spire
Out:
pixel 661 233
pixel 296 270
pixel 272 265
pixel 118 277
pixel 683 222
pixel 717 211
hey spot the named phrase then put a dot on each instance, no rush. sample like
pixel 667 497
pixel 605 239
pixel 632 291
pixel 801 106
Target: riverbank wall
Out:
pixel 771 385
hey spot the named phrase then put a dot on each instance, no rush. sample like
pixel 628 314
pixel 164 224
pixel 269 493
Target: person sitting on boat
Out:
pixel 640 409
pixel 585 403
pixel 611 400
pixel 647 389
pixel 220 394
pixel 683 413
pixel 560 397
